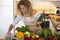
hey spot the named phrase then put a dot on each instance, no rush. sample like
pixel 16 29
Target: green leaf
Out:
pixel 46 31
pixel 18 29
pixel 22 29
pixel 56 33
pixel 42 17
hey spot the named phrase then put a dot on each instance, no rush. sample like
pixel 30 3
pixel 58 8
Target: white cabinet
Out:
pixel 6 2
pixel 6 15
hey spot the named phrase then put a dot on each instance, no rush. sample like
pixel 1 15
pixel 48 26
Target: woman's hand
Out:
pixel 8 32
pixel 10 28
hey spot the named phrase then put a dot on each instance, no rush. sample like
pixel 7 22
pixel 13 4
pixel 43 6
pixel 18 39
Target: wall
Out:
pixel 56 3
pixel 6 15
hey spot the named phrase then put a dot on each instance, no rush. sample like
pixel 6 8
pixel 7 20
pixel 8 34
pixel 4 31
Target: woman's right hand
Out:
pixel 8 32
pixel 10 28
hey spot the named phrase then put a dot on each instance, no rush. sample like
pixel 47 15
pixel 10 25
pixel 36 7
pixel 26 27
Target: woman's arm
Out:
pixel 17 19
pixel 10 28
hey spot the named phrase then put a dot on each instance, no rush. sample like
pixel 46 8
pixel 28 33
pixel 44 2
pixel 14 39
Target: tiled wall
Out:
pixel 6 15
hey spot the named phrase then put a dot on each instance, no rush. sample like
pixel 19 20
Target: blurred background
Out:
pixel 49 6
pixel 8 11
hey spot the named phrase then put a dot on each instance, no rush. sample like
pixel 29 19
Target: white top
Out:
pixel 18 18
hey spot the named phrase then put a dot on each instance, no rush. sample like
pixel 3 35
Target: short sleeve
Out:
pixel 37 15
pixel 17 19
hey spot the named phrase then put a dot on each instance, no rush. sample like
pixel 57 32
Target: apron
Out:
pixel 33 25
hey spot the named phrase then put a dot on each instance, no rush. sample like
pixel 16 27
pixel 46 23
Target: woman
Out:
pixel 27 14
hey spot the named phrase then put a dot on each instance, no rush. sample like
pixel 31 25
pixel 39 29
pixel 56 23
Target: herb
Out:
pixel 46 32
pixel 22 29
pixel 42 17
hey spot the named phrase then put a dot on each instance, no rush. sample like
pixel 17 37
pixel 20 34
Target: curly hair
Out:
pixel 27 4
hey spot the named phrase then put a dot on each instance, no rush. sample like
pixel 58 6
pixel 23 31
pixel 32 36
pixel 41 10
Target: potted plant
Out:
pixel 41 20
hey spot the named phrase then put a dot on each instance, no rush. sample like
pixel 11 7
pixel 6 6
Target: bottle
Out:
pixel 9 37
